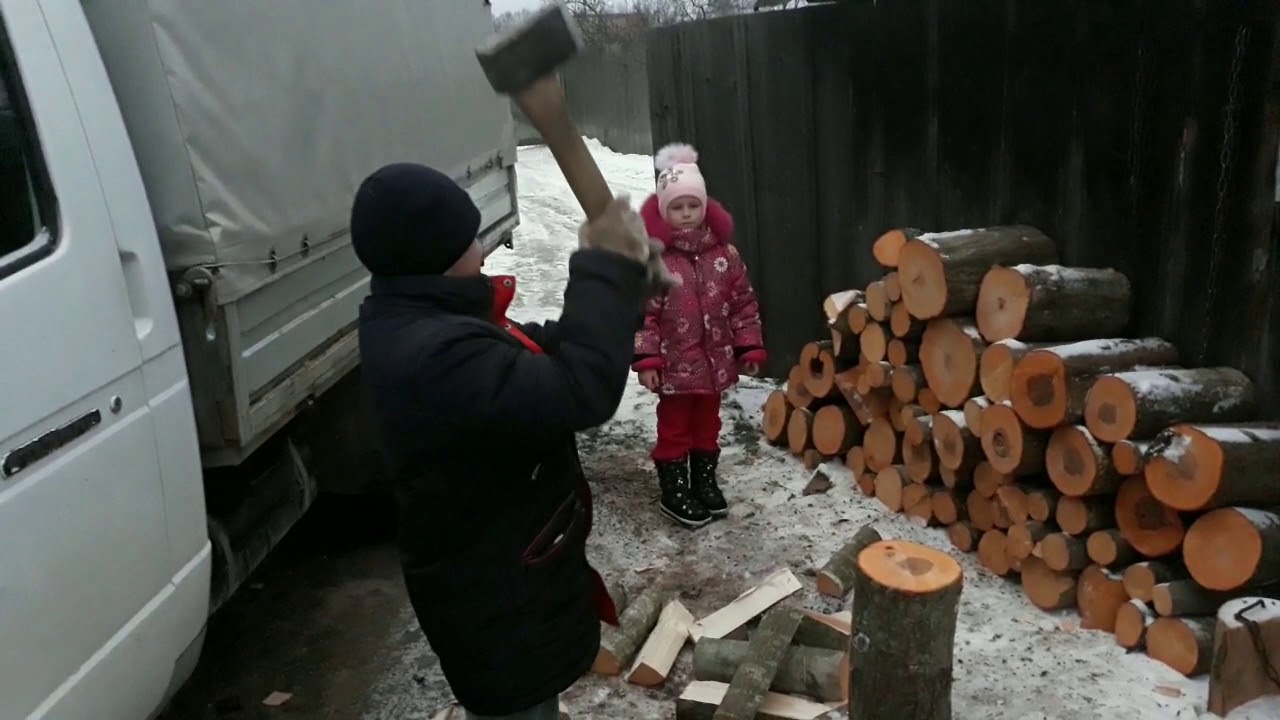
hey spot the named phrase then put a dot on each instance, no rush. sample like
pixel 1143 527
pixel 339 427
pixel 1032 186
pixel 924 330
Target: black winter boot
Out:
pixel 702 469
pixel 678 501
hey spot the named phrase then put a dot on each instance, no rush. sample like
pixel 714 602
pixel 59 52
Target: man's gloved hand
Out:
pixel 620 230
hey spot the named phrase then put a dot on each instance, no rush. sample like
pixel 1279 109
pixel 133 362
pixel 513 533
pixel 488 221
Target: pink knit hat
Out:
pixel 678 175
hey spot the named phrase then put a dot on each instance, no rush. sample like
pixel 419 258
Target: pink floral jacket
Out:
pixel 699 332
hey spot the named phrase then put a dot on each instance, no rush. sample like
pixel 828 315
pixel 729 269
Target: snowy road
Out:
pixel 333 627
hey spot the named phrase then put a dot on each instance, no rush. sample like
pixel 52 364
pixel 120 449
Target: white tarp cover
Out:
pixel 254 120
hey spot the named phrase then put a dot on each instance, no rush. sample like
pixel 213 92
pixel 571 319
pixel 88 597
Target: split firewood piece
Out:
pixel 746 606
pixel 1023 537
pixel 821 630
pixel 816 672
pixel 1239 672
pixel 956 445
pixel 878 303
pixel 1042 503
pixel 993 552
pixel 902 325
pixel 919 460
pixel 835 579
pixel 619 644
pixel 1132 620
pixel 1149 525
pixel 941 273
pixel 702 698
pixel 1234 547
pixel 800 431
pixel 1049 384
pixel 1079 465
pixel 902 352
pixel 835 430
pixel 659 652
pixel 904 624
pixel 753 677
pixel 1046 588
pixel 1141 403
pixel 949 507
pixel 890 483
pixel 777 414
pixel 1108 548
pixel 819 366
pixel 949 352
pixel 874 342
pixel 1052 302
pixel 1099 595
pixel 987 481
pixel 869 406
pixel 906 381
pixel 887 248
pixel 1082 516
pixel 928 400
pixel 881 444
pixel 1140 579
pixel 836 304
pixel 892 288
pixel 1183 643
pixel 1129 456
pixel 797 394
pixel 1009 445
pixel 963 536
pixel 1187 597
pixel 1063 552
pixel 995 367
pixel 974 408
pixel 867 484
pixel 1205 466
pixel 917 504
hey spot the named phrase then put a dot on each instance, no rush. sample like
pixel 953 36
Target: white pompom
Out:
pixel 674 154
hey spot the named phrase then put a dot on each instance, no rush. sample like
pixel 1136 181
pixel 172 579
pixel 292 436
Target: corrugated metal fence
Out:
pixel 1140 135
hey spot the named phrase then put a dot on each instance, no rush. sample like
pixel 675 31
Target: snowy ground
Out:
pixel 1012 660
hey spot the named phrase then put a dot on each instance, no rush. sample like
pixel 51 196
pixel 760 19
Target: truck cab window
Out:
pixel 26 209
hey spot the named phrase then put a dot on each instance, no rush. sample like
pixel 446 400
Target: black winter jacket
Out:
pixel 478 432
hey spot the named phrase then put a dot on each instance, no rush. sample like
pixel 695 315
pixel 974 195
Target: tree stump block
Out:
pixel 903 632
pixel 1246 653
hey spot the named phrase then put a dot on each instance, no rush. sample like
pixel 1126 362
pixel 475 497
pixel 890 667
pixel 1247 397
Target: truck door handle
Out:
pixel 135 286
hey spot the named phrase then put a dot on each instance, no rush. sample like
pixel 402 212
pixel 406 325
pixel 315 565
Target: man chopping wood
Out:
pixel 477 418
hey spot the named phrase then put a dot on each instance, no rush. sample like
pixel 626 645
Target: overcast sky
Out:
pixel 501 6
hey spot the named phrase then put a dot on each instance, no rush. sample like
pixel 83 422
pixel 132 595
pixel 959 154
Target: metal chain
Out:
pixel 1255 634
pixel 1225 159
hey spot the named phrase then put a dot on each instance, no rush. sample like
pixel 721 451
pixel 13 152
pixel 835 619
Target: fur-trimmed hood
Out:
pixel 718 221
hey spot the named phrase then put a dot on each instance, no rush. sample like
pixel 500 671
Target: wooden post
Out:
pixel 903 632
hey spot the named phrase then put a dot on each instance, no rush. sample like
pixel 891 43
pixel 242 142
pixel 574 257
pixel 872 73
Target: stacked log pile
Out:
pixel 982 387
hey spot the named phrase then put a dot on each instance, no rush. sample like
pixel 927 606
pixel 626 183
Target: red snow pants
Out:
pixel 687 422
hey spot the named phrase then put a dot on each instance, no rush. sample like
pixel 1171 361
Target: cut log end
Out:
pixel 1132 620
pixel 1128 456
pixel 1038 389
pixel 1189 469
pixel 1184 644
pixel 887 248
pixel 1046 588
pixel 1140 579
pixel 889 485
pixel 955 444
pixel 1108 548
pixel 993 552
pixel 835 579
pixel 1110 409
pixel 819 369
pixel 908 567
pixel 1099 596
pixel 995 367
pixel 949 352
pixel 1063 552
pixel 1083 515
pixel 1231 548
pixel 1149 525
pixel 1140 403
pixel 835 430
pixel 777 413
pixel 963 536
pixel 1007 443
pixel 800 431
pixel 1078 465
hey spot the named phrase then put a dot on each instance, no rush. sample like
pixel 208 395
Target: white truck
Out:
pixel 178 302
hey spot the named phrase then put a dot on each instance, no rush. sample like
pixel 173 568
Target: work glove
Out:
pixel 620 230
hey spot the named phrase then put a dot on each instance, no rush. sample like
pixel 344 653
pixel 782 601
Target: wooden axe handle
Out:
pixel 543 103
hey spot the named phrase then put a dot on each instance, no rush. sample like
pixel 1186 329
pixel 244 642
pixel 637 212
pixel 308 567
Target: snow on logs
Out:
pixel 983 387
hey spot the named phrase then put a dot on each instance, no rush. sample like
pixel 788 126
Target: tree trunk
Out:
pixel 1010 446
pixel 1239 672
pixel 755 674
pixel 1049 384
pixel 1235 547
pixel 835 430
pixel 949 352
pixel 1187 597
pixel 1141 403
pixel 941 273
pixel 956 445
pixel 1052 302
pixel 1099 595
pixel 995 367
pixel 1046 588
pixel 1140 579
pixel 1063 552
pixel 619 644
pixel 1109 549
pixel 1081 516
pixel 835 579
pixel 816 672
pixel 1203 466
pixel 904 625
pixel 1079 465
pixel 1184 643
pixel 963 536
pixel 1132 620
pixel 1149 525
pixel 1129 456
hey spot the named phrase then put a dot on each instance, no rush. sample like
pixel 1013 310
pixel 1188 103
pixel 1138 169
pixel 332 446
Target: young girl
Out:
pixel 696 338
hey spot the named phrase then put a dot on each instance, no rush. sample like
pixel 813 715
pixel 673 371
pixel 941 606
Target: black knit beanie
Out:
pixel 409 219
